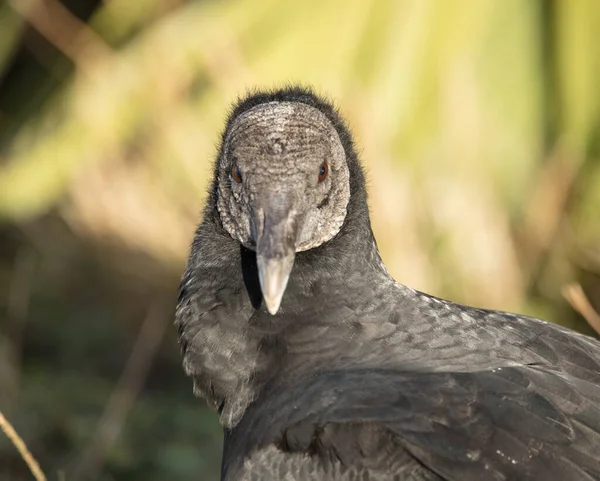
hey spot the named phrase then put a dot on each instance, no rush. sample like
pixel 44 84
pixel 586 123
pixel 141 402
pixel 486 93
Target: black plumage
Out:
pixel 357 376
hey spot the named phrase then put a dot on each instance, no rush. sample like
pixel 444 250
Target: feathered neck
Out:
pixel 232 347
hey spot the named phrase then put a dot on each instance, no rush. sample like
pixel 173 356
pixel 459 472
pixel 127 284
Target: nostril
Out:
pixel 257 223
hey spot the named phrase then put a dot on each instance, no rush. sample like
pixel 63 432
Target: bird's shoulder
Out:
pixel 428 332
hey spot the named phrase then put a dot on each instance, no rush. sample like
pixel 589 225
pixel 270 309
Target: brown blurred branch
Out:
pixel 19 297
pixel 575 295
pixel 21 284
pixel 547 208
pixel 64 30
pixel 125 394
pixel 18 442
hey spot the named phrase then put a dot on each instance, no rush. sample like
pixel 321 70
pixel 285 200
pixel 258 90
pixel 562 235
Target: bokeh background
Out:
pixel 478 122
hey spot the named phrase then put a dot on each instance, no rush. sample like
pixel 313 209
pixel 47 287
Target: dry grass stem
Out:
pixel 574 294
pixel 547 206
pixel 11 434
pixel 125 394
pixel 65 31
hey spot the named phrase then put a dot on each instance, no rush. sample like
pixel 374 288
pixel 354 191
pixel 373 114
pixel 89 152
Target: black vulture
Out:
pixel 322 367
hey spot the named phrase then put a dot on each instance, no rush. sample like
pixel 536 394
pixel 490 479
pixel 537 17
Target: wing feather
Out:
pixel 515 423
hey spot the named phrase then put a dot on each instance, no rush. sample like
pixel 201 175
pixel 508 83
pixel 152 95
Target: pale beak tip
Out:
pixel 272 305
pixel 273 293
pixel 274 277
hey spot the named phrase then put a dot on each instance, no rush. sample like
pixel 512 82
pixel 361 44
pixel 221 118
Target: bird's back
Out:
pixel 521 403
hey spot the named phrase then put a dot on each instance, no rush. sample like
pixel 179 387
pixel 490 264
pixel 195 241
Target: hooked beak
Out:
pixel 276 232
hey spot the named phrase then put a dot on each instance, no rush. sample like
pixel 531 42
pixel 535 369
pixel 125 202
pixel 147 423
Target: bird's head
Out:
pixel 282 185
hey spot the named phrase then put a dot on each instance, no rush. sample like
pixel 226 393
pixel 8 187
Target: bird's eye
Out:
pixel 323 171
pixel 236 174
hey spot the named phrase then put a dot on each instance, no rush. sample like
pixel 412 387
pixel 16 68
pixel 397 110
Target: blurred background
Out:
pixel 478 122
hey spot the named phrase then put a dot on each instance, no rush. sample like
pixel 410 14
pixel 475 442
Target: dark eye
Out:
pixel 236 174
pixel 323 171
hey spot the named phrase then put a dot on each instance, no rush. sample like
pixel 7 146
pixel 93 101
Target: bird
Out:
pixel 321 366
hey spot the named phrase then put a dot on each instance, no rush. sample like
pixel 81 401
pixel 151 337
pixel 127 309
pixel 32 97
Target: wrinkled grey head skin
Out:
pixel 280 207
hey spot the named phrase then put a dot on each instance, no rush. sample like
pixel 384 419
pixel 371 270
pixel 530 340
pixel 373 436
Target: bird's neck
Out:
pixel 239 349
